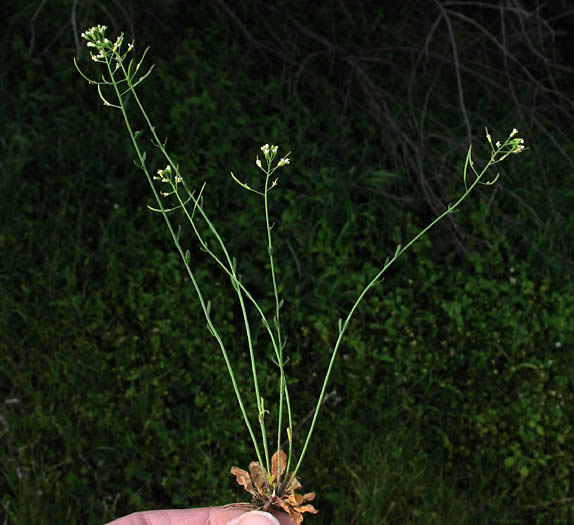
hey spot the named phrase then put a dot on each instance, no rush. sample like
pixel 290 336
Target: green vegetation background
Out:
pixel 452 401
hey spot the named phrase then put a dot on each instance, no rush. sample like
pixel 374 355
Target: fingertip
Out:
pixel 255 517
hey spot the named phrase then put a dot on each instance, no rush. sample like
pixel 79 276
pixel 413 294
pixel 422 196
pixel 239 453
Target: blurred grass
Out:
pixel 454 389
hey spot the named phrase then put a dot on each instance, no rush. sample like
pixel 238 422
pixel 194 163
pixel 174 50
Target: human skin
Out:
pixel 204 516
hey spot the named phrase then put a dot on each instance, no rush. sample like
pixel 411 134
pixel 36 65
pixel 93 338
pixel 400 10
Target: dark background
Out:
pixel 453 395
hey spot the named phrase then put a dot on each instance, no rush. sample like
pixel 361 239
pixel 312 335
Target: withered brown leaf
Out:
pixel 274 490
pixel 282 462
pixel 242 477
pixel 258 477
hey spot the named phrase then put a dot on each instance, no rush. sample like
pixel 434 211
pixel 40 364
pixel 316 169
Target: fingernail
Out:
pixel 255 517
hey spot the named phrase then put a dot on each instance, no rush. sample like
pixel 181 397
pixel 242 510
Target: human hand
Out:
pixel 205 516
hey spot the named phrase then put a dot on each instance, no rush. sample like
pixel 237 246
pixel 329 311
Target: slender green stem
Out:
pixel 230 269
pixel 275 344
pixel 343 326
pixel 229 273
pixel 282 382
pixel 236 285
pixel 204 306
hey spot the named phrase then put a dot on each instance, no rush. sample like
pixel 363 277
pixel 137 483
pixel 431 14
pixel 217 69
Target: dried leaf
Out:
pixel 307 508
pixel 257 477
pixel 243 479
pixel 294 484
pixel 267 492
pixel 282 462
pixel 296 517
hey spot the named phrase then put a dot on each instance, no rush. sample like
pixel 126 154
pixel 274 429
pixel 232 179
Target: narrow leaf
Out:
pixel 491 182
pixel 104 100
pixel 467 163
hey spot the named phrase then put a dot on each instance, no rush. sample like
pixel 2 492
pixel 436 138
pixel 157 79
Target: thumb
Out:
pixel 255 517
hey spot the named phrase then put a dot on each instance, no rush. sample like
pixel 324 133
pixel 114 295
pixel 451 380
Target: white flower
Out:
pixel 269 151
pixel 282 162
pixel 258 162
pixel 164 172
pixel 118 42
pixel 514 132
pixel 518 146
pixel 94 33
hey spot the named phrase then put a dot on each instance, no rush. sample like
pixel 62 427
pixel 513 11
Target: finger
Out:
pixel 255 517
pixel 204 516
pixel 199 516
pixel 235 516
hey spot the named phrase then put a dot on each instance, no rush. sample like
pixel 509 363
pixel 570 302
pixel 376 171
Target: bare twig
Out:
pixel 512 62
pixel 33 26
pixel 456 61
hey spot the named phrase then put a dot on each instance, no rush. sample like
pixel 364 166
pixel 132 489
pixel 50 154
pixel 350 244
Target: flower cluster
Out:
pixel 512 145
pixel 270 152
pixel 166 175
pixel 163 174
pixel 96 37
pixel 95 34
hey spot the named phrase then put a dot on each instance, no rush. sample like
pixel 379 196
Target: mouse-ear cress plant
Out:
pixel 271 481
